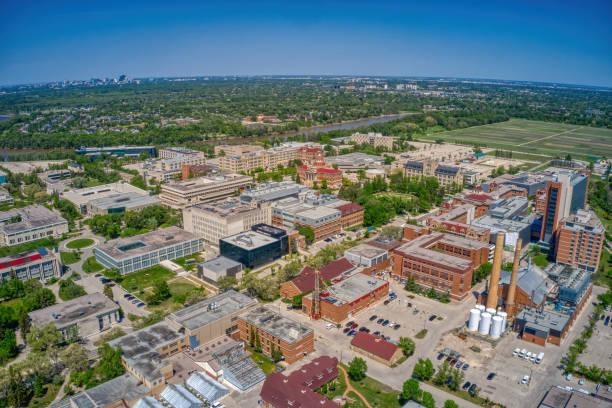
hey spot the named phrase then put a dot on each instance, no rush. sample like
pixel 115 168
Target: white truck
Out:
pixel 540 357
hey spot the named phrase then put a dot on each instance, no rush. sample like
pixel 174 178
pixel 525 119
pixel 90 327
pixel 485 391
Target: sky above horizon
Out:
pixel 546 41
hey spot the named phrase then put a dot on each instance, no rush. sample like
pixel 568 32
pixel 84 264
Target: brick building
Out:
pixel 292 338
pixel 309 175
pixel 344 299
pixel 376 348
pixel 305 281
pixel 307 154
pixel 351 215
pixel 580 240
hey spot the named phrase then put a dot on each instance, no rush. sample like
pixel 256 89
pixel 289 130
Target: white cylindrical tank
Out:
pixel 480 307
pixel 492 311
pixel 485 323
pixel 474 319
pixel 496 327
pixel 504 316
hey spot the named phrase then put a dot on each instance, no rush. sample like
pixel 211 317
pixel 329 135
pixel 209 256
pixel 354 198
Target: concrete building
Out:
pixel 445 174
pixel 121 191
pixel 237 150
pixel 118 151
pixel 542 327
pixel 211 271
pixel 344 299
pixel 353 162
pixel 444 262
pixel 246 159
pixel 169 169
pixel 307 154
pixel 262 245
pixel 566 397
pixel 273 191
pixel 376 348
pixel 373 139
pixel 305 282
pixel 225 218
pixel 580 240
pixel 458 220
pixel 512 229
pixel 83 316
pixel 125 390
pixel 121 202
pixel 322 176
pixel 40 264
pixel 30 223
pixel 366 255
pixel 188 193
pixel 5 197
pixel 146 250
pixel 299 388
pixel 292 338
pixel 172 152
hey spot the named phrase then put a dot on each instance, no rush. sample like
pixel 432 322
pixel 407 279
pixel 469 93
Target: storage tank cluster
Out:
pixel 488 322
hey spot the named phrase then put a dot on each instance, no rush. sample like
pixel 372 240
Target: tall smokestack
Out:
pixel 510 307
pixel 494 280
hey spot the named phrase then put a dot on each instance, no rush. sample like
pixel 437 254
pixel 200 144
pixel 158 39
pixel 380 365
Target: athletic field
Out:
pixel 534 137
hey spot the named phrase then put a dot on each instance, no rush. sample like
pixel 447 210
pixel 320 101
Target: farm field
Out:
pixel 555 139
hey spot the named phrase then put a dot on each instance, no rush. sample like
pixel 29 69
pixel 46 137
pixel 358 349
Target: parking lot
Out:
pixel 92 284
pixel 598 351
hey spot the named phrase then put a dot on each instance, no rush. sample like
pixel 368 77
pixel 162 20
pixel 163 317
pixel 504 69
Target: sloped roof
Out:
pixel 207 387
pixel 305 281
pixel 178 396
pixel 532 280
pixel 349 208
pixel 374 344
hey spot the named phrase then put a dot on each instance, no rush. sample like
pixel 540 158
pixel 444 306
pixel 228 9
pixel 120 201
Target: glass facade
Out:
pixel 252 258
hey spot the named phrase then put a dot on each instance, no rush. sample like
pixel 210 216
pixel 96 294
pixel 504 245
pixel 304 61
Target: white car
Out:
pixel 329 326
pixel 525 379
pixel 516 351
pixel 581 381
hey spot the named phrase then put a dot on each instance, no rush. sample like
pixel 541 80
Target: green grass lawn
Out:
pixel 17 302
pixel 69 258
pixel 80 243
pixel 262 361
pixel 91 265
pixel 51 391
pixel 540 260
pixel 377 393
pixel 137 281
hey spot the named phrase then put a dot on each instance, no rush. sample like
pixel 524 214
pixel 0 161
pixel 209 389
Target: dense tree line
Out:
pixel 131 223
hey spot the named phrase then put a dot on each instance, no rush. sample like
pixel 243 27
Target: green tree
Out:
pixel 161 291
pixel 458 375
pixel 75 357
pixel 108 291
pixel 450 404
pixel 37 388
pixel 17 393
pixel 357 369
pixel 423 369
pixel 258 347
pixel 307 232
pixel 8 345
pixel 276 353
pixel 110 365
pixel 42 337
pixel 407 346
pixel 444 371
pixel 226 282
pixel 428 400
pixel 252 337
pixel 23 322
pixel 411 390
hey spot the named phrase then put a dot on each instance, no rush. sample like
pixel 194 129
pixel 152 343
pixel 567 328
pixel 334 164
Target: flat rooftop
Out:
pixel 463 242
pixel 547 320
pixel 500 224
pixel 125 248
pixel 140 348
pixel 219 264
pixel 318 214
pixel 281 327
pixel 273 191
pixel 84 195
pixel 74 310
pixel 418 248
pixel 206 181
pixel 32 217
pixel 127 200
pixel 212 309
pixel 224 208
pixel 351 289
pixel 125 387
pixel 583 220
pixel 366 251
pixel 24 258
pixel 249 240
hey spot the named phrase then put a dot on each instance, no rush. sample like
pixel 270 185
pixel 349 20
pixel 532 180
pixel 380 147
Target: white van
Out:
pixel 528 355
pixel 328 326
pixel 540 357
pixel 522 353
pixel 533 357
pixel 516 351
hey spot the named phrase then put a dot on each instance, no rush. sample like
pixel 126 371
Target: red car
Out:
pixel 354 326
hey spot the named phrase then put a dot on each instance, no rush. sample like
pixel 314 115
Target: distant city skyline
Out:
pixel 551 42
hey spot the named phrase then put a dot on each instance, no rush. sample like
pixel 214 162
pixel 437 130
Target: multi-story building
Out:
pixel 244 163
pixel 457 220
pixel 118 203
pixel 305 282
pixel 30 223
pixel 320 175
pixel 170 168
pixel 444 173
pixel 5 197
pixel 80 317
pixel 236 150
pixel 38 264
pixel 307 154
pixel 353 162
pixel 172 152
pixel 246 159
pixel 260 246
pixel 91 198
pixel 273 191
pixel 373 139
pixel 195 170
pixel 224 218
pixel 579 240
pixel 119 151
pixel 444 262
pixel 292 338
pixel 564 196
pixel 351 214
pixel 344 299
pixel 146 250
pixel 188 193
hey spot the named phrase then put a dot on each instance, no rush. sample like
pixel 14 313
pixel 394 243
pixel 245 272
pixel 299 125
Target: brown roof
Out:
pixel 374 344
pixel 305 281
pixel 297 390
pixel 349 208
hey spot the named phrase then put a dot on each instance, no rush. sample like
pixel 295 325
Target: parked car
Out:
pixel 432 317
pixel 607 321
pixel 466 385
pixel 373 317
pixel 472 388
pixel 568 377
pixel 415 311
pixel 386 322
pixel 581 381
pixel 525 379
pixel 97 275
pixel 465 367
pixel 376 333
pixel 76 278
pixel 453 361
pixel 141 304
pixel 348 329
pixel 349 324
pixel 490 376
pixel 379 321
pixel 135 301
pixel 127 295
pixel 354 326
pixel 449 359
pixel 363 328
pixel 386 302
pixel 352 332
pixel 367 330
pixel 386 337
pixel 516 351
pixel 459 364
pixel 397 326
pixel 440 356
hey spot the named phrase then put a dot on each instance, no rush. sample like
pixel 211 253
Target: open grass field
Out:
pixel 80 243
pixel 136 281
pixel 555 139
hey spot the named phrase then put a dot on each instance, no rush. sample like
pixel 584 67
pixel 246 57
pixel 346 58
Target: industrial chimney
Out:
pixel 494 280
pixel 510 306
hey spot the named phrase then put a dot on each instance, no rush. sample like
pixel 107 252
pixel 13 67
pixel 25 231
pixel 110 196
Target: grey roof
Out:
pixel 532 279
pixel 508 207
pixel 202 313
pixel 413 404
pixel 273 191
pixel 556 397
pixel 126 387
pixel 140 348
pixel 32 216
pixel 178 396
pixel 148 402
pixel 249 240
pixel 544 321
pixel 219 264
pixel 74 310
pixel 120 248
pixel 351 289
pixel 239 369
pixel 207 388
pixel 366 251
pixel 127 200
pixel 281 327
pixel 447 170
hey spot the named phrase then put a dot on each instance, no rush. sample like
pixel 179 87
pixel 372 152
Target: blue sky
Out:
pixel 567 42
